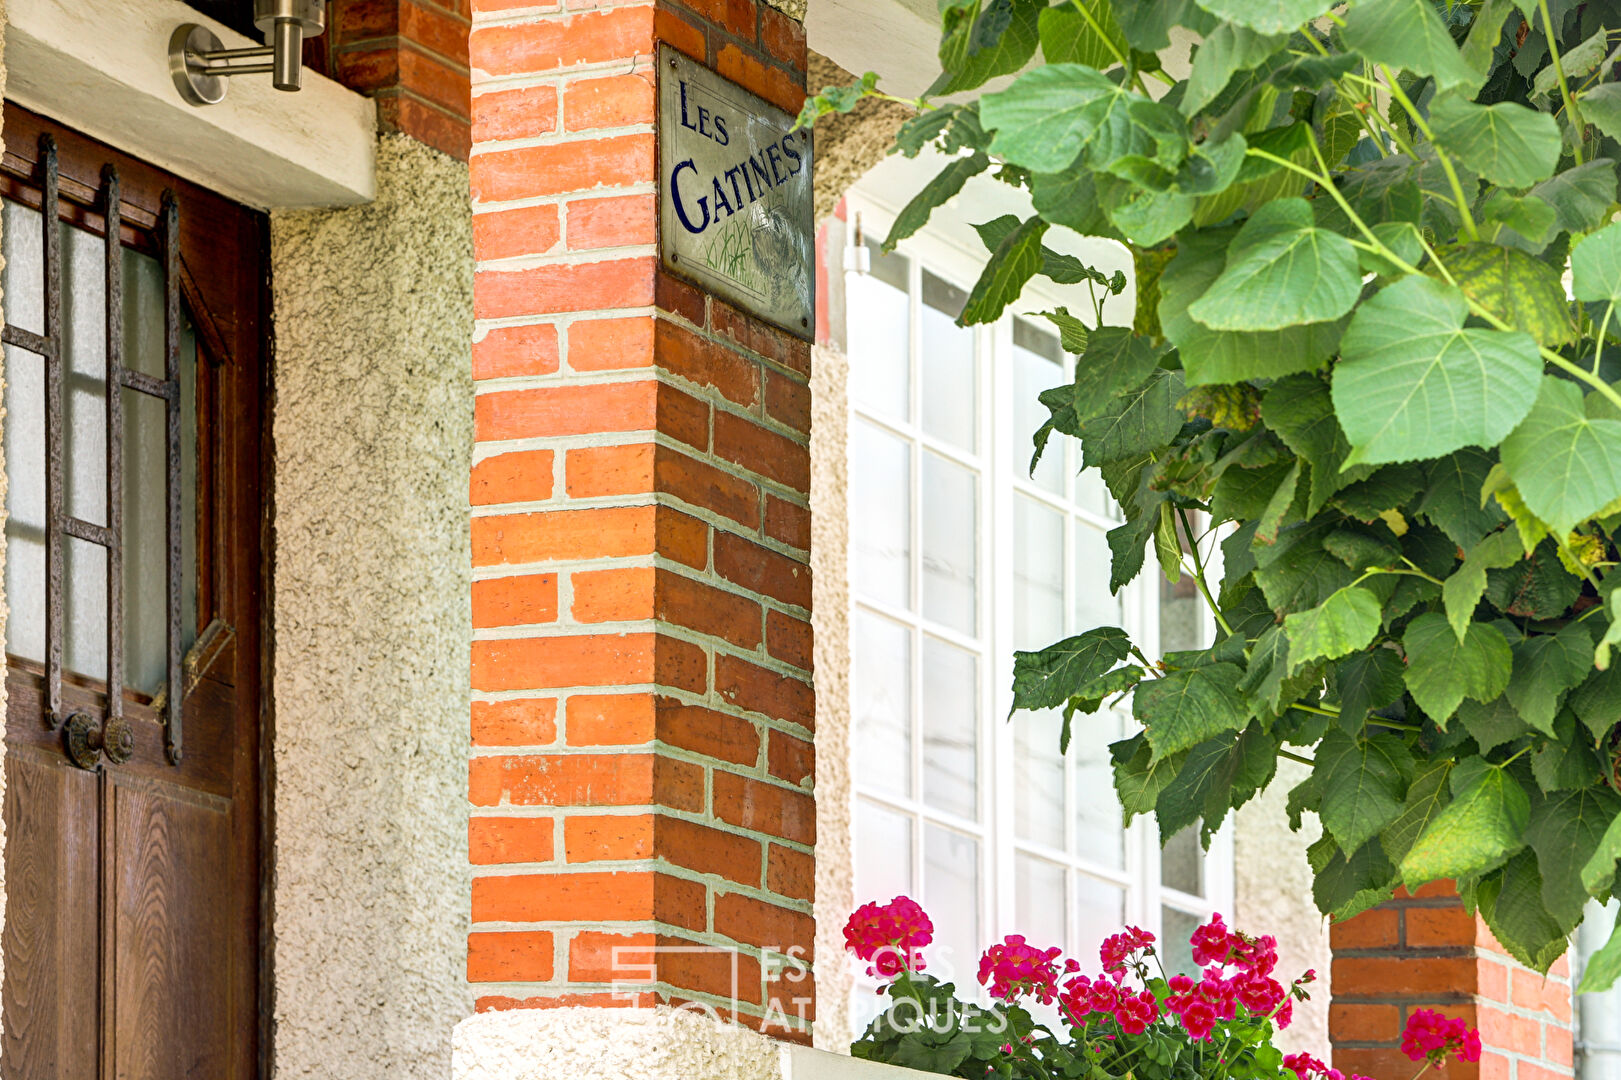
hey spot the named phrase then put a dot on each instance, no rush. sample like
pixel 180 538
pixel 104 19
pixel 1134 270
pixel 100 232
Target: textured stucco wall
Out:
pixel 848 144
pixel 1272 895
pixel 373 433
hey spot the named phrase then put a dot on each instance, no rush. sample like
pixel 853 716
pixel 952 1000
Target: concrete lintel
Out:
pixel 102 68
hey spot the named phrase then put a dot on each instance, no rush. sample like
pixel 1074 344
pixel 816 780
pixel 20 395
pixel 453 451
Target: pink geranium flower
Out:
pixel 1430 1036
pixel 888 936
pixel 1014 969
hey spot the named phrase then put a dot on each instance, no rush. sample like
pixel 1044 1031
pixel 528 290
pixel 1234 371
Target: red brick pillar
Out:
pixel 641 772
pixel 411 56
pixel 1426 952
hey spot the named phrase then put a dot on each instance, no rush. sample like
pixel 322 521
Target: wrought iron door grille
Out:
pixel 59 524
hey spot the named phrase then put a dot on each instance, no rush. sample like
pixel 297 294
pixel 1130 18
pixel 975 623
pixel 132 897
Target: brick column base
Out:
pixel 1424 951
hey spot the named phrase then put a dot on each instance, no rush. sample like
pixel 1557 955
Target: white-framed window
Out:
pixel 958 556
pixel 1598 1016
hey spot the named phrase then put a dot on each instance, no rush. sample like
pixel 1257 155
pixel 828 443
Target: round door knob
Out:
pixel 118 740
pixel 81 738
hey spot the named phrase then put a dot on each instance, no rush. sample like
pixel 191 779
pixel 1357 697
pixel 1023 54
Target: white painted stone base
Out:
pixel 639 1044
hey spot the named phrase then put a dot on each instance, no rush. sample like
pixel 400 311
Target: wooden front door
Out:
pixel 133 585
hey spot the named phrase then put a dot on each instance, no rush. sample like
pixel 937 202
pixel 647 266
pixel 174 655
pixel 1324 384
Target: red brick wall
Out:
pixel 411 56
pixel 643 711
pixel 1427 951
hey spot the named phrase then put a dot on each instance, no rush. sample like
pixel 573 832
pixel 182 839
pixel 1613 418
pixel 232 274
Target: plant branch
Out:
pixel 1598 342
pixel 1564 85
pixel 1440 155
pixel 1198 573
pixel 1292 756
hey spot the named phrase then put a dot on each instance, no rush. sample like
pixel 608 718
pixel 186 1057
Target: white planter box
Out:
pixel 639 1044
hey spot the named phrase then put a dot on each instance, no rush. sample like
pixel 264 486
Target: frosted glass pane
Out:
pixel 1599 1053
pixel 880 515
pixel 950 721
pixel 24 430
pixel 1092 494
pixel 84 340
pixel 1038 901
pixel 948 370
pixel 1176 953
pixel 1100 910
pixel 883 853
pixel 1099 835
pixel 1094 606
pixel 1038 574
pixel 1038 778
pixel 951 897
pixel 950 514
pixel 143 314
pixel 1181 864
pixel 1181 615
pixel 1037 365
pixel 23 245
pixel 878 334
pixel 84 609
pixel 881 703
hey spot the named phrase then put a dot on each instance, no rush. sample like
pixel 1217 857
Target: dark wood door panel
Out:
pixel 51 943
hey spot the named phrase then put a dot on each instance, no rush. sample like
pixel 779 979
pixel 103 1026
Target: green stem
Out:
pixel 1291 756
pixel 1475 309
pixel 1559 72
pixel 1315 709
pixel 1441 155
pixel 1198 573
pixel 1603 328
pixel 1395 133
pixel 1519 754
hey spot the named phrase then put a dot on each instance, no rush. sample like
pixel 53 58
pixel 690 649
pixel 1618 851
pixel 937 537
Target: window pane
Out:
pixel 84 344
pixel 883 853
pixel 880 515
pixel 878 335
pixel 84 608
pixel 1100 911
pixel 950 728
pixel 1092 494
pixel 1038 901
pixel 1038 574
pixel 1099 834
pixel 25 267
pixel 948 371
pixel 1094 605
pixel 1181 864
pixel 1176 951
pixel 1181 615
pixel 950 513
pixel 881 703
pixel 24 429
pixel 1038 364
pixel 1038 778
pixel 1599 1048
pixel 951 897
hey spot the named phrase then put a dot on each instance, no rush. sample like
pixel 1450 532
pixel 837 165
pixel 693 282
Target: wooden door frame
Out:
pixel 253 487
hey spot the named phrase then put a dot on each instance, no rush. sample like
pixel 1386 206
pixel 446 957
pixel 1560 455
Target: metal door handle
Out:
pixel 87 741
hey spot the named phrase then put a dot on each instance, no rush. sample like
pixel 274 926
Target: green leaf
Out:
pixel 1525 222
pixel 1064 269
pixel 1598 873
pixel 1408 34
pixel 1427 796
pixel 1071 199
pixel 1604 966
pixel 1147 23
pixel 1597 702
pixel 1134 423
pixel 1452 497
pixel 1231 48
pixel 1404 240
pixel 1115 362
pixel 1546 668
pixel 1187 707
pixel 1414 383
pixel 1482 826
pixel 1297 572
pixel 1049 115
pixel 1224 356
pixel 1601 106
pixel 1260 181
pixel 1567 762
pixel 1265 16
pixel 1580 196
pixel 1463 590
pixel 1282 270
pixel 1367 680
pixel 1507 143
pixel 1344 623
pixel 1566 465
pixel 1217 775
pixel 1493 723
pixel 1072 332
pixel 1011 266
pixel 1363 785
pixel 1069 37
pixel 1442 671
pixel 1511 903
pixel 976 45
pixel 1522 291
pixel 1145 217
pixel 1278 505
pixel 1301 411
pixel 1048 678
pixel 1577 64
pixel 1140 777
pixel 1595 265
pixel 945 185
pixel 1346 887
pixel 1611 637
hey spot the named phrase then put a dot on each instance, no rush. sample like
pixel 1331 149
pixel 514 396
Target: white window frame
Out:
pixel 870 214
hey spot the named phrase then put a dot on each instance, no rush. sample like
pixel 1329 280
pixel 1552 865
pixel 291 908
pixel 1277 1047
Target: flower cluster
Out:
pixel 1014 969
pixel 1117 949
pixel 1309 1068
pixel 1237 972
pixel 1213 943
pixel 1431 1036
pixel 1085 996
pixel 888 936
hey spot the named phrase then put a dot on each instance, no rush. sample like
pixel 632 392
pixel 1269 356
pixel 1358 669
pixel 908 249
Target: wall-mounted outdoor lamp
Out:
pixel 200 63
